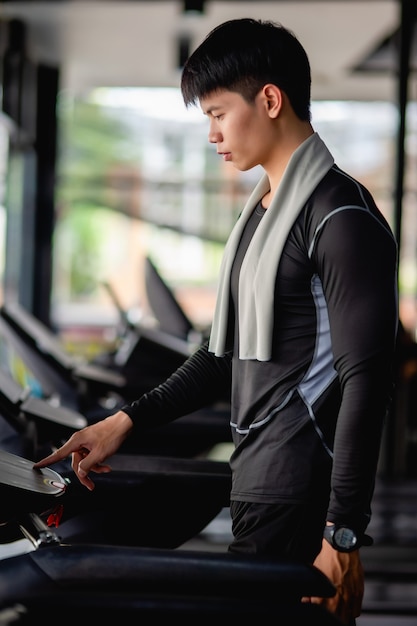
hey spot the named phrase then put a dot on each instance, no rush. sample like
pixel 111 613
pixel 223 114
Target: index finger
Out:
pixel 58 455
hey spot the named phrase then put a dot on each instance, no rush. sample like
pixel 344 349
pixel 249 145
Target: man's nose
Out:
pixel 214 136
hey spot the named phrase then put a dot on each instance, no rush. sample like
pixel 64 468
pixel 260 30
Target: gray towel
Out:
pixel 305 169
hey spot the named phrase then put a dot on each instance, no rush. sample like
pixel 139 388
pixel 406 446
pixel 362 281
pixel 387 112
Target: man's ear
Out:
pixel 273 99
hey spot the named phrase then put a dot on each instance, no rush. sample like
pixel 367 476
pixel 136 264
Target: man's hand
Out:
pixel 91 446
pixel 345 571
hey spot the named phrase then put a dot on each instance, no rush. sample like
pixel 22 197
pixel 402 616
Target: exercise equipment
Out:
pixel 33 426
pixel 75 397
pixel 44 574
pixel 169 314
pixel 71 381
pixel 147 501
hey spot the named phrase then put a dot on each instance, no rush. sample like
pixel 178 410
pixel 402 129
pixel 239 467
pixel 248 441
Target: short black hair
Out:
pixel 242 55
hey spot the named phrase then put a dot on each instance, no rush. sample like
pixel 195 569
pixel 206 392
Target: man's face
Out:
pixel 240 130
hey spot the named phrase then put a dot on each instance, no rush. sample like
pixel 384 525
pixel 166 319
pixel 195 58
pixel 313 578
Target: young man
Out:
pixel 305 322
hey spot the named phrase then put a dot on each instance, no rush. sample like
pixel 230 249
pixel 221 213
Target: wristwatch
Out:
pixel 341 538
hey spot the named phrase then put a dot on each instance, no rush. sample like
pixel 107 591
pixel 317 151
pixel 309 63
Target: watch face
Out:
pixel 345 538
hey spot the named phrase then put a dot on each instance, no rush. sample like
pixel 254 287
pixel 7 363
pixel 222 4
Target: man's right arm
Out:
pixel 199 382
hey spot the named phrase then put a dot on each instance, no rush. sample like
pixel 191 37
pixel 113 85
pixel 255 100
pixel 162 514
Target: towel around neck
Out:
pixel 308 164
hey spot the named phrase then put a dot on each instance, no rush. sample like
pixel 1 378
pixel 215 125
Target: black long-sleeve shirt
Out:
pixel 312 415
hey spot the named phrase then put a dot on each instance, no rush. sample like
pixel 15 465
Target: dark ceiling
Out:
pixel 137 43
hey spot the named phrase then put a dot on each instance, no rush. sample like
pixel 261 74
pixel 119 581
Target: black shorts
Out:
pixel 293 531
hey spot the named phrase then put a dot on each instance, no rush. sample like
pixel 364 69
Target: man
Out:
pixel 305 322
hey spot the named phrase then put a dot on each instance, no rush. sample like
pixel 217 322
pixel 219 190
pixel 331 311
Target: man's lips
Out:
pixel 227 156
